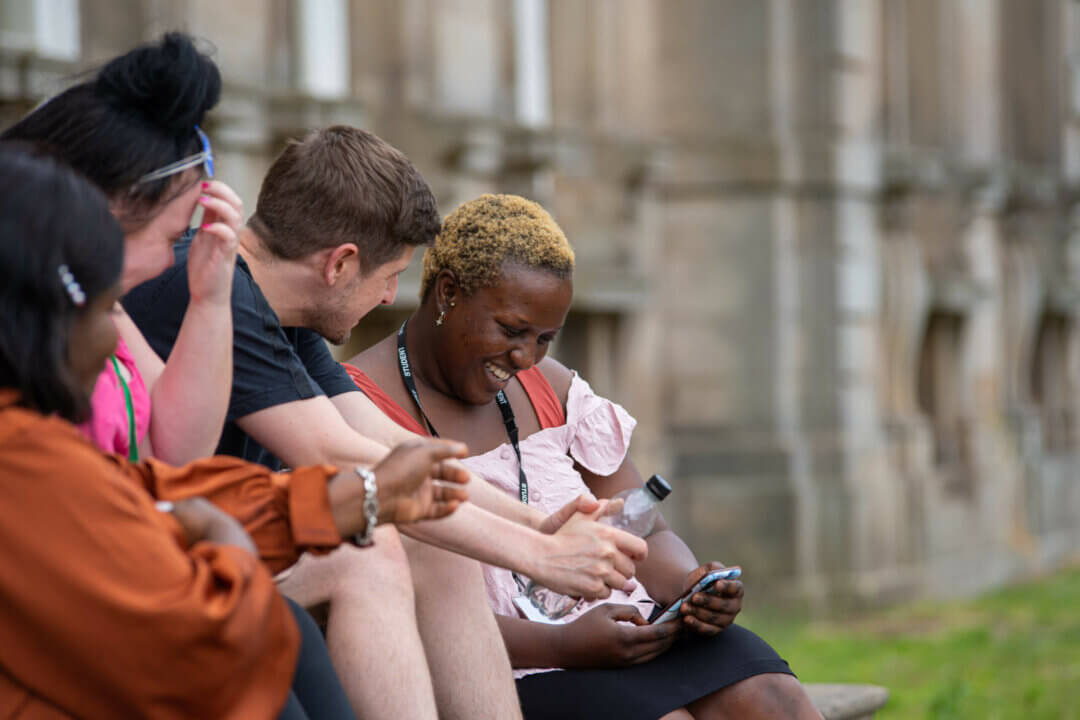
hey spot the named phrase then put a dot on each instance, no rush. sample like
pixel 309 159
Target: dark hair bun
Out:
pixel 170 84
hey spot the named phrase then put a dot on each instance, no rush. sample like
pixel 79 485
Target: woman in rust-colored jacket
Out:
pixel 113 603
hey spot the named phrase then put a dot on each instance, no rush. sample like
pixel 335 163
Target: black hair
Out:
pixel 49 216
pixel 137 114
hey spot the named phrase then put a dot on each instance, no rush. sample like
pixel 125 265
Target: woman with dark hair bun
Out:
pixel 87 558
pixel 134 130
pixel 117 607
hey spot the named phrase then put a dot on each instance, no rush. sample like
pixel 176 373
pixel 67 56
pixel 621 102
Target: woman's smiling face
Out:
pixel 498 331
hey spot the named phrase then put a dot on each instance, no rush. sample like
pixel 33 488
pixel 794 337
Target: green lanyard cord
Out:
pixel 133 442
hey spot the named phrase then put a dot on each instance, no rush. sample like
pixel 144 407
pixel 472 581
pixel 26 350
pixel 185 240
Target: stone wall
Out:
pixel 829 249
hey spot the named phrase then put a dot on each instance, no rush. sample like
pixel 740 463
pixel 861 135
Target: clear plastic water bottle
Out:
pixel 641 507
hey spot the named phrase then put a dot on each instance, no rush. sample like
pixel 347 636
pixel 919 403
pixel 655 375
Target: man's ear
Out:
pixel 447 290
pixel 341 263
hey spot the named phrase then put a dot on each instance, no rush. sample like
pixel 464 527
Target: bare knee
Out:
pixel 349 571
pixel 381 569
pixel 770 695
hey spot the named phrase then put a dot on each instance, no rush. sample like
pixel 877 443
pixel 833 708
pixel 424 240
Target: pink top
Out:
pixel 595 432
pixel 108 424
pixel 597 435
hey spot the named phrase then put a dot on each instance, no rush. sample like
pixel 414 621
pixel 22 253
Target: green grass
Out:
pixel 1014 653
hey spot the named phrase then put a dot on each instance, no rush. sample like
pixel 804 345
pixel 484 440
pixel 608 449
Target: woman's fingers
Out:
pixel 439 450
pixel 626 613
pixel 703 627
pixel 451 471
pixel 219 230
pixel 652 640
pixel 710 611
pixel 701 571
pixel 716 602
pixel 716 609
pixel 699 627
pixel 221 211
pixel 448 493
pixel 410 464
pixel 725 588
pixel 440 509
pixel 720 619
pixel 219 189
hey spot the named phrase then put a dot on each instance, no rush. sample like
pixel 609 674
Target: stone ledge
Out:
pixel 847 702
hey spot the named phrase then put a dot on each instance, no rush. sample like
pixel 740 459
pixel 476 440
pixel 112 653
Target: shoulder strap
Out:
pixel 545 402
pixel 383 401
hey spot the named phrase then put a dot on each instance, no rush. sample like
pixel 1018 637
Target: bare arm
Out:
pixel 364 416
pixel 583 558
pixel 186 425
pixel 531 644
pixel 311 432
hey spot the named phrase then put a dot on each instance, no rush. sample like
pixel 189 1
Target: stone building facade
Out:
pixel 829 250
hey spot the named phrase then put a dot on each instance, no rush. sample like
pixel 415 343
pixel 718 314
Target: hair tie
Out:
pixel 74 290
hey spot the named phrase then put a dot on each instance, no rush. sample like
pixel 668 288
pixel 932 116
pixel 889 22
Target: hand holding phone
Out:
pixel 705 584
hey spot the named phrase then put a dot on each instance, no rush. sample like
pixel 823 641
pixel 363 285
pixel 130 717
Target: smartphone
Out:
pixel 671 612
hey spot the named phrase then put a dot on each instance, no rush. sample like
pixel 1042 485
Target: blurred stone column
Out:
pixel 770 354
pixel 728 287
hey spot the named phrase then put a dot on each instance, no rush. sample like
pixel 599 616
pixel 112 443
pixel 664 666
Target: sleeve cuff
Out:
pixel 309 507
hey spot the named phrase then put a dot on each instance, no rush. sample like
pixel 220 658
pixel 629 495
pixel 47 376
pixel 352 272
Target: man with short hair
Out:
pixel 338 218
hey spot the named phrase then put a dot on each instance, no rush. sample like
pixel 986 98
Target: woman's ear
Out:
pixel 447 291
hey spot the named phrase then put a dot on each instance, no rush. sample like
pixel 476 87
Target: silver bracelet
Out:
pixel 371 507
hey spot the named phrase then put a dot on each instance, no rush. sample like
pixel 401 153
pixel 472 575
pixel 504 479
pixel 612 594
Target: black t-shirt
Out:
pixel 272 365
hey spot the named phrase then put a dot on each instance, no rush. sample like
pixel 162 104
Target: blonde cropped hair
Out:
pixel 482 235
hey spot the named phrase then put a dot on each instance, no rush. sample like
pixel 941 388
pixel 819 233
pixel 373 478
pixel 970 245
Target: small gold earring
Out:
pixel 439 320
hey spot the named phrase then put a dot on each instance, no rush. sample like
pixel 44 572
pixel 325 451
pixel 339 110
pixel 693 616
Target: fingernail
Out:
pixel 206 225
pixel 205 185
pixel 203 199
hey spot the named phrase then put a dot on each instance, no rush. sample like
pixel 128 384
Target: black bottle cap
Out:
pixel 658 486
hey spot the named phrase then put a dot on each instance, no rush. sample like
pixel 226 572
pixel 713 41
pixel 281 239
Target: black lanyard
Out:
pixel 500 400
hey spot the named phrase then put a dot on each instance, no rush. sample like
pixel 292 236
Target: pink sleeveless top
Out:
pixel 107 427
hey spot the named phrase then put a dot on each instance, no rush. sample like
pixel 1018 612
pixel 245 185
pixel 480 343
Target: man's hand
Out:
pixel 586 558
pixel 707 613
pixel 586 504
pixel 212 257
pixel 613 636
pixel 416 484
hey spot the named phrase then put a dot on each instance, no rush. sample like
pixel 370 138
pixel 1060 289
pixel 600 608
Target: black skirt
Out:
pixel 694 667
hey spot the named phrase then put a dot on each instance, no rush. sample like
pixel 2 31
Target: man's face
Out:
pixel 346 306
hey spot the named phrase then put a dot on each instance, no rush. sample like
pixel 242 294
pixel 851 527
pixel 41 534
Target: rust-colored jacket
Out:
pixel 104 610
